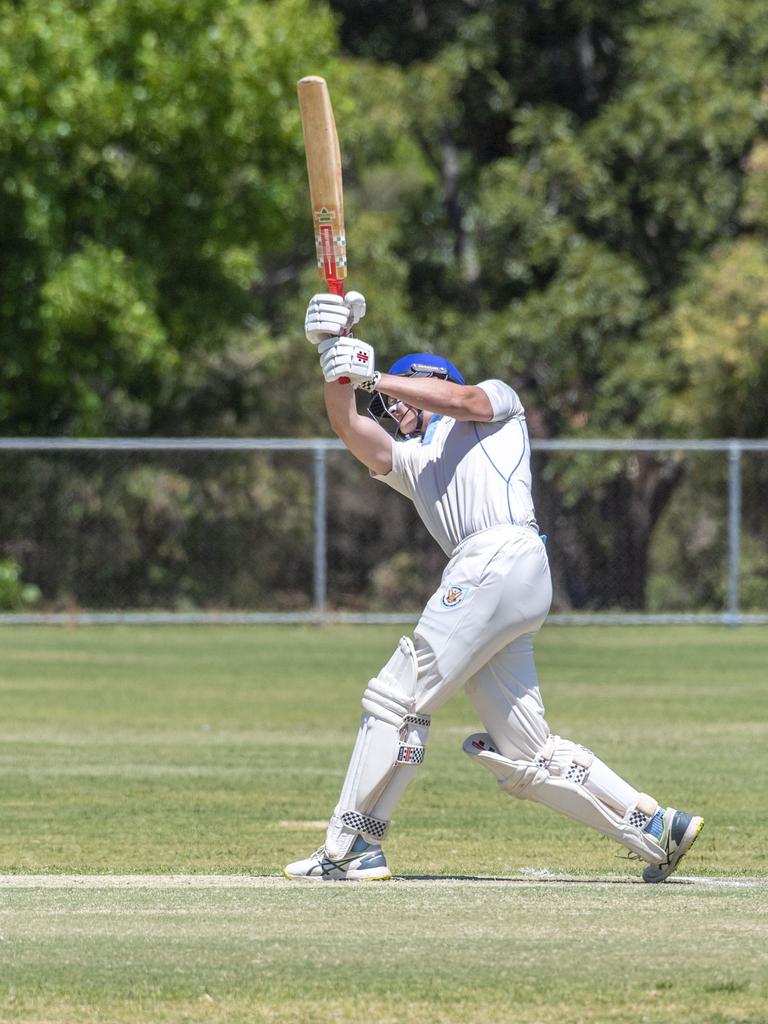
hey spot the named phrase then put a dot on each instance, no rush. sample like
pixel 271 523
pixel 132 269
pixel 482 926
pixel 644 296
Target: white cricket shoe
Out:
pixel 363 863
pixel 678 836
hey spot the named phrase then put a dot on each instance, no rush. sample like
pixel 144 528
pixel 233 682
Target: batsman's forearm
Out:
pixel 367 441
pixel 340 406
pixel 460 401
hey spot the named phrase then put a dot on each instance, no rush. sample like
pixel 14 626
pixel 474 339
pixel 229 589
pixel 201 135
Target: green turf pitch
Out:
pixel 208 751
pixel 406 952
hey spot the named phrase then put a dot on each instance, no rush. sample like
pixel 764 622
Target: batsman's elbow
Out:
pixel 471 403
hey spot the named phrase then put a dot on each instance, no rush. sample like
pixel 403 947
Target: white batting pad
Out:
pixel 389 747
pixel 558 777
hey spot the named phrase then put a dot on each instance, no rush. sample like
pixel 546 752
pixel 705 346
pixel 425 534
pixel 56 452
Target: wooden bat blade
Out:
pixel 321 145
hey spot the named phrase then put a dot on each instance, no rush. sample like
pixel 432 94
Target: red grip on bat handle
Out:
pixel 336 286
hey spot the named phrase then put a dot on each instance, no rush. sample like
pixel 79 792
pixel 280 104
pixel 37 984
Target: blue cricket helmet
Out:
pixel 416 364
pixel 424 364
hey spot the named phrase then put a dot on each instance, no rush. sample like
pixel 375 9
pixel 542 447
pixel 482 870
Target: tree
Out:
pixel 567 194
pixel 152 174
pixel 150 162
pixel 582 164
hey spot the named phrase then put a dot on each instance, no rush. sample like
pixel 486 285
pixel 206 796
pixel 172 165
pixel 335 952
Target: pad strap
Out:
pixel 412 753
pixel 578 770
pixel 422 720
pixel 643 811
pixel 369 827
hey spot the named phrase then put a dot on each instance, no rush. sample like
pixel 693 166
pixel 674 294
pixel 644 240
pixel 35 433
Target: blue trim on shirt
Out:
pixel 506 479
pixel 430 429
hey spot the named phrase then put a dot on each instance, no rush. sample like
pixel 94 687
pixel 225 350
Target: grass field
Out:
pixel 153 781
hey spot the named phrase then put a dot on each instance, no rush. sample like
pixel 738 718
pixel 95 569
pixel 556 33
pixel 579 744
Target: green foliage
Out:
pixel 721 333
pixel 15 594
pixel 179 532
pixel 594 208
pixel 570 195
pixel 590 168
pixel 150 165
pixel 754 212
pixel 398 582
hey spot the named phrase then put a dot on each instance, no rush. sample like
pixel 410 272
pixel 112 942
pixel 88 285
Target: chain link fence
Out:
pixel 271 530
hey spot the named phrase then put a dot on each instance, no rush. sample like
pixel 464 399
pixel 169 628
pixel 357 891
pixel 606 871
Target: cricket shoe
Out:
pixel 363 863
pixel 678 836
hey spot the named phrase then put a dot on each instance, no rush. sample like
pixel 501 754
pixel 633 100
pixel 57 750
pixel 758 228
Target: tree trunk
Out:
pixel 599 548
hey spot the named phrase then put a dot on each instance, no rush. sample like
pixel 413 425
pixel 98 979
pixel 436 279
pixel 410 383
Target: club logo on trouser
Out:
pixel 453 596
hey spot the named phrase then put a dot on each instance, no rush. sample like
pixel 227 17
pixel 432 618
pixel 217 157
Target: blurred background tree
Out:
pixel 584 166
pixel 150 161
pixel 567 194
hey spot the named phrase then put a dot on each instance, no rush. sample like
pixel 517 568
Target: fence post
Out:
pixel 734 532
pixel 320 576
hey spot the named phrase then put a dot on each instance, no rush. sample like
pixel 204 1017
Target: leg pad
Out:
pixel 558 777
pixel 390 746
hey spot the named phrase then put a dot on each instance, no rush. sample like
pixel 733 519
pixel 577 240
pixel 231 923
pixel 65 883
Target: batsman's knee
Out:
pixel 389 699
pixel 401 673
pixel 559 777
pixel 558 760
pixel 514 777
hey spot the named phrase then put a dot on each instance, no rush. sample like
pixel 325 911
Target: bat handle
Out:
pixel 336 287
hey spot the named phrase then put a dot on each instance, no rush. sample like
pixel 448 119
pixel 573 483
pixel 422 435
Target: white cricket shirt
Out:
pixel 464 477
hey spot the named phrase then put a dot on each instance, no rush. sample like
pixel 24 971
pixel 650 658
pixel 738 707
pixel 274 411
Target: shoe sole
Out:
pixel 689 838
pixel 349 878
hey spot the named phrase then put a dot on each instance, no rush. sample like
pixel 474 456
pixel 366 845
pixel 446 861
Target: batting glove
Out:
pixel 350 360
pixel 328 316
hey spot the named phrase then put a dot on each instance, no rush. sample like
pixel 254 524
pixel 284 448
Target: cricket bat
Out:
pixel 321 145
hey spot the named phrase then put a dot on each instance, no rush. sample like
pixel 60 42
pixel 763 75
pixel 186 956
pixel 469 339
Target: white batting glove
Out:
pixel 349 360
pixel 328 316
pixel 357 306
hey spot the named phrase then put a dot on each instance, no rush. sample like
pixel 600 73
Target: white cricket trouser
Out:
pixel 484 642
pixel 477 631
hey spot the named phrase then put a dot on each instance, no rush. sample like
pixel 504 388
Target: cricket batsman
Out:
pixel 461 453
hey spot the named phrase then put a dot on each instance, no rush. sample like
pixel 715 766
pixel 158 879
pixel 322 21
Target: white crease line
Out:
pixel 276 882
pixel 134 881
pixel 735 883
